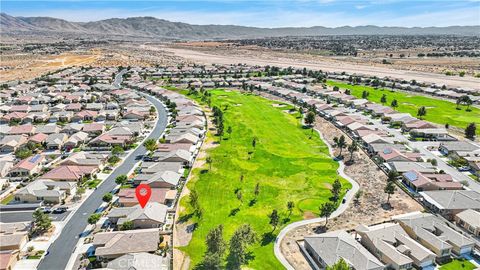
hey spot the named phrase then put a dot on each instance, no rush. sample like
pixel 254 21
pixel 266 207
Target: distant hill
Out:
pixel 150 27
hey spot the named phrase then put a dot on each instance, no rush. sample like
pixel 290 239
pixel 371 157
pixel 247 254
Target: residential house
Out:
pixel 401 167
pixel 326 249
pixel 127 196
pixel 140 260
pixel 391 154
pixel 469 220
pixel 8 259
pixel 56 141
pixel 45 191
pixel 178 155
pixel 430 181
pixel 153 215
pixel 75 140
pixel 435 234
pixel 160 179
pixel 111 245
pixel 11 143
pixel 392 246
pixel 27 167
pixel 70 173
pixel 448 203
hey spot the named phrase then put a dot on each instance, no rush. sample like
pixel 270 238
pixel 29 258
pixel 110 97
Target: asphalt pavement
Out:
pixel 22 216
pixel 63 247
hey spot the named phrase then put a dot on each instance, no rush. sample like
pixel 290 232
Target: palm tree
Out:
pixel 209 161
pixel 340 143
pixel 352 148
pixel 150 145
pixel 394 103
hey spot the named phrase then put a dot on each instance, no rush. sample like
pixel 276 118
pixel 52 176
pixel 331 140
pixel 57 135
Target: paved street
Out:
pixel 22 216
pixel 62 248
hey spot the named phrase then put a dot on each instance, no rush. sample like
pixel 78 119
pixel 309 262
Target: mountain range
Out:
pixel 158 29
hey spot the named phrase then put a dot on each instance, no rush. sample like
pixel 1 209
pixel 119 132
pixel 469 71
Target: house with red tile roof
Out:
pixel 430 181
pixel 85 115
pixel 38 138
pixel 127 196
pixel 393 154
pixel 26 129
pixel 70 173
pixel 27 167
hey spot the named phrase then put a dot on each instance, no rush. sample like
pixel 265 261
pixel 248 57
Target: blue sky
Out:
pixel 330 13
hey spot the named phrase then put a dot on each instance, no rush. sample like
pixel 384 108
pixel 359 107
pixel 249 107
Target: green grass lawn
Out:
pixel 438 111
pixel 93 183
pixel 287 163
pixel 457 265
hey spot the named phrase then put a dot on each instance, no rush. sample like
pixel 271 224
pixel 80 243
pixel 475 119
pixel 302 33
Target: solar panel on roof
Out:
pixel 411 176
pixel 34 159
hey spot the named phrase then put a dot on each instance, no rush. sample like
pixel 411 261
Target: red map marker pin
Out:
pixel 143 193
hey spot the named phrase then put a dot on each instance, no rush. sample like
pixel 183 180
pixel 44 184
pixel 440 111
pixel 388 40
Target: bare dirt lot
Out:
pixel 404 70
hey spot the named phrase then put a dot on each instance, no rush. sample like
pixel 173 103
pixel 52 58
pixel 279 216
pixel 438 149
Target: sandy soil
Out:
pixel 326 64
pixel 29 67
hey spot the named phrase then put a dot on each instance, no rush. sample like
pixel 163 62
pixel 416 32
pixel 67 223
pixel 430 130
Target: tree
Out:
pixel 274 219
pixel 93 219
pixel 326 210
pixel 339 265
pixel 336 188
pixel 422 111
pixel 121 179
pixel 254 142
pixel 209 161
pixel 390 190
pixel 41 221
pixel 193 200
pixel 470 131
pixel 358 195
pixel 383 99
pixel 365 94
pixel 239 195
pixel 353 147
pixel 257 190
pixel 392 176
pixel 150 144
pixel 310 118
pixel 290 206
pixel 394 103
pixel 152 110
pixel 241 239
pixel 340 143
pixel 211 261
pixel 23 153
pixel 229 131
pixel 215 242
pixel 107 197
pixel 117 150
pixel 80 191
pixel 127 225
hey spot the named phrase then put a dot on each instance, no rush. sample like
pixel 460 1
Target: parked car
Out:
pixel 45 209
pixel 60 209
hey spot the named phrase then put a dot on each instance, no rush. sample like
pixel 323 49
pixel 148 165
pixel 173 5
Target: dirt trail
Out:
pixel 181 231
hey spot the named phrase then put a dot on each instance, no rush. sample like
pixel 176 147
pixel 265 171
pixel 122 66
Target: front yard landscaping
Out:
pixel 288 162
pixel 458 265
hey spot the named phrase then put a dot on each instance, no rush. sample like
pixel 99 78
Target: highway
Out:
pixel 63 247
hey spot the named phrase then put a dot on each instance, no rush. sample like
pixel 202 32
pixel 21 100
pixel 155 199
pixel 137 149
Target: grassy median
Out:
pixel 289 163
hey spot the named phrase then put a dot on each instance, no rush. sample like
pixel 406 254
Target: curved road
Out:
pixel 348 197
pixel 63 247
